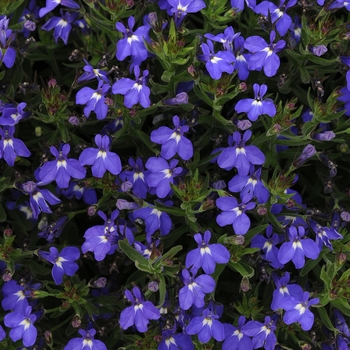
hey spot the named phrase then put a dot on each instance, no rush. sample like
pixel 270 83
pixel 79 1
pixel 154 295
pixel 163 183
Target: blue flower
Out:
pixel 172 341
pixel 91 73
pixel 206 256
pixel 7 53
pixel 234 214
pixel 216 63
pixel 257 106
pixel 61 169
pixel 62 25
pixel 132 44
pixel 52 4
pixel 22 326
pixel 264 55
pixel 12 115
pixel 11 147
pixel 241 62
pixel 94 100
pixel 180 8
pixel 53 230
pixel 101 158
pixel 87 342
pixel 234 338
pixel 79 190
pixel 14 297
pixel 135 91
pixel 297 248
pixel 226 38
pixel 63 263
pixel 173 141
pixel 238 5
pixel 139 313
pixel 297 310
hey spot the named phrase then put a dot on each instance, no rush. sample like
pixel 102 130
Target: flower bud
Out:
pixel 345 216
pixel 307 153
pixel 341 258
pixel 29 25
pixel 76 322
pixel 29 186
pixel 344 148
pixel 124 204
pixel 244 124
pixel 52 83
pixel 126 186
pixel 242 86
pixel 100 282
pixel 179 99
pixel 261 210
pixel 8 231
pixel 48 337
pixel 245 285
pixel 92 209
pixel 73 120
pixel 153 286
pixel 7 276
pixel 325 136
pixel 219 185
pixel 318 50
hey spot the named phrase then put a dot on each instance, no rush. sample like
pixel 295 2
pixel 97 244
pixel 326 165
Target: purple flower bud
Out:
pixel 91 211
pixel 100 282
pixel 52 83
pixel 345 216
pixel 126 186
pixel 261 210
pixel 307 153
pixel 325 136
pixel 124 204
pixel 153 286
pixel 73 120
pixel 319 50
pixel 29 186
pixel 245 285
pixel 29 25
pixel 219 185
pixel 76 322
pixel 179 99
pixel 7 276
pixel 244 124
pixel 152 19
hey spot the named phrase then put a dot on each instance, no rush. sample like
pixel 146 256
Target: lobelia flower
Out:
pixel 61 169
pixel 80 191
pixel 173 141
pixel 234 213
pixel 324 136
pixel 91 73
pixel 216 63
pixel 268 246
pixel 262 333
pixel 284 290
pixel 7 53
pixel 101 158
pixel 337 4
pixel 137 176
pixel 63 263
pixel 264 54
pixel 31 11
pixel 234 338
pixel 297 310
pixel 12 115
pixel 239 4
pixel 257 106
pixel 206 327
pixel 53 230
pixel 38 198
pixel 62 25
pixel 308 152
pixel 14 297
pixel 103 239
pixel 139 313
pixel 318 50
pixel 94 100
pixel 132 44
pixel 135 91
pixel 206 256
pixel 194 290
pixel 226 38
pixel 22 326
pixel 162 174
pixel 52 4
pixel 295 32
pixel 250 186
pixel 297 248
pixel 87 342
pixel 278 14
pixel 154 219
pixel 11 147
pixel 240 156
pixel 241 62
pixel 180 8
pixel 172 341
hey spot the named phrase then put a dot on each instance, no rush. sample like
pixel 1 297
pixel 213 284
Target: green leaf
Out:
pixel 131 253
pixel 171 253
pixel 170 210
pixel 253 232
pixel 162 290
pixel 145 268
pixel 342 304
pixel 241 267
pixel 325 319
pixel 310 264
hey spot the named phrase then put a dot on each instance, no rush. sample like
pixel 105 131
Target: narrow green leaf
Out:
pixel 131 253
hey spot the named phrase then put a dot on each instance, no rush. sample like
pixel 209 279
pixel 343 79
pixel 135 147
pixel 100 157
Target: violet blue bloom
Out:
pixel 7 53
pixel 31 11
pixel 94 100
pixel 11 147
pixel 284 290
pixel 61 169
pixel 226 38
pixel 238 5
pixel 80 191
pixel 62 25
pixel 2 333
pixel 52 4
pixel 132 44
pixel 268 246
pixel 242 59
pixel 53 230
pixel 324 136
pixel 295 32
pixel 206 256
pixel 324 234
pixel 154 219
pixel 63 263
pixel 103 239
pixel 180 8
pixel 278 14
pixel 22 326
pixel 101 158
pixel 297 248
pixel 206 327
pixel 234 214
pixel 91 73
pixel 194 290
pixel 337 4
pixel 264 54
pixel 14 297
pixel 12 115
pixel 240 156
pixel 162 174
pixel 137 176
pixel 234 338
pixel 297 310
pixel 180 99
pixel 172 341
pixel 262 333
pixel 216 63
pixel 250 186
pixel 318 50
pixel 38 198
pixel 87 342
pixel 173 141
pixel 139 313
pixel 257 106
pixel 135 91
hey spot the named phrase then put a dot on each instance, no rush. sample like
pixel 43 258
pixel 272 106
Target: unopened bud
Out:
pixel 344 148
pixel 152 19
pixel 92 209
pixel 307 153
pixel 109 101
pixel 52 83
pixel 192 71
pixel 7 276
pixel 261 210
pixel 219 185
pixel 8 231
pixel 76 322
pixel 29 25
pixel 73 120
pixel 276 129
pixel 123 204
pixel 345 216
pixel 126 186
pixel 48 337
pixel 244 124
pixel 153 286
pixel 245 285
pixel 341 258
pixel 100 282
